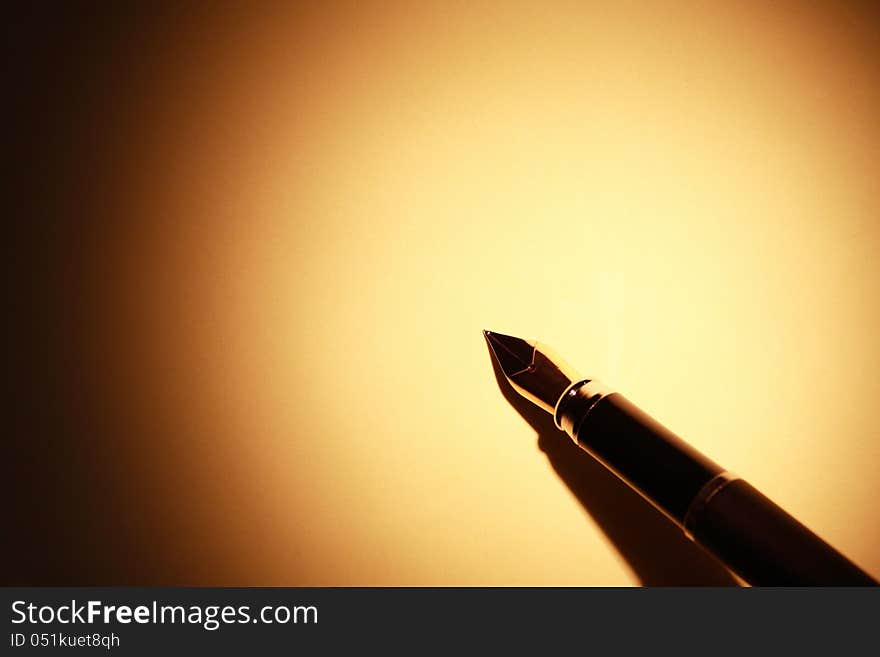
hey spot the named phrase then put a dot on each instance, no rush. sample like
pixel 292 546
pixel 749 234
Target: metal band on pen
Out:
pixel 707 492
pixel 575 403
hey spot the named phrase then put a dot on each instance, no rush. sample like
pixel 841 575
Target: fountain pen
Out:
pixel 753 537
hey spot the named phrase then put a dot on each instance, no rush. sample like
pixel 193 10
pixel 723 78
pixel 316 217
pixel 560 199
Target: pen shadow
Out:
pixel 654 547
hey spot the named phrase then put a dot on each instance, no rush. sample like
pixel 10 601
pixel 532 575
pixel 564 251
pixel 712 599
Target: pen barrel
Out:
pixel 763 544
pixel 732 520
pixel 667 471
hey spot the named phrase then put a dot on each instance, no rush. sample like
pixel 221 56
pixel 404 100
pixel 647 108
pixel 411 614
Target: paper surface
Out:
pixel 326 210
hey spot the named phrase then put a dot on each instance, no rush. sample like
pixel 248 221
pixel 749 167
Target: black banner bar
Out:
pixel 133 621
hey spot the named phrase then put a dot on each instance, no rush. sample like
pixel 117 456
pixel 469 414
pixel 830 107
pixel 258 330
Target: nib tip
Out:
pixel 513 354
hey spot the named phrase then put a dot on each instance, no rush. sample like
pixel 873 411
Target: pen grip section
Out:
pixel 764 545
pixel 659 465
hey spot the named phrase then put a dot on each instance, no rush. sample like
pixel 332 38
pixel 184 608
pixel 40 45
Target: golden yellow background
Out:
pixel 319 208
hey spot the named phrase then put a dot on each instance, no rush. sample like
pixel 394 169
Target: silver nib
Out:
pixel 533 370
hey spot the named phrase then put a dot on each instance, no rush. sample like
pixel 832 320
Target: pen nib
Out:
pixel 513 354
pixel 532 369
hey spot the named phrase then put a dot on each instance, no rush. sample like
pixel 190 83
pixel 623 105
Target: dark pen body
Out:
pixel 746 531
